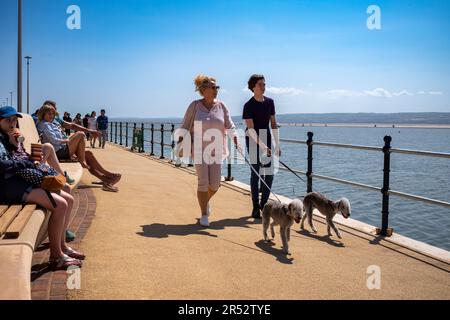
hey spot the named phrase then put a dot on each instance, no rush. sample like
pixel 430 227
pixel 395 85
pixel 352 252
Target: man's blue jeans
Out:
pixel 255 183
pixel 265 170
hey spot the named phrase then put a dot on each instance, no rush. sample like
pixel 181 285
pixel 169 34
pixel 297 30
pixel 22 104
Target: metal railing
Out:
pixel 385 189
pixel 387 150
pixel 117 135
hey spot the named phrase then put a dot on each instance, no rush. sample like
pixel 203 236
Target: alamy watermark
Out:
pixel 210 146
pixel 74 278
pixel 74 20
pixel 374 20
pixel 374 280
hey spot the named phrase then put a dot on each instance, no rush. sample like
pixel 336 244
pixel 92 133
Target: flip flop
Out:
pixel 109 188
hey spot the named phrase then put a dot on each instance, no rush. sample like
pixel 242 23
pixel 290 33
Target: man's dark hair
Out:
pixel 254 80
pixel 103 110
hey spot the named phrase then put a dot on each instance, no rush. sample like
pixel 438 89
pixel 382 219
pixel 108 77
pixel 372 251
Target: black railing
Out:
pixel 387 150
pixel 385 189
pixel 117 135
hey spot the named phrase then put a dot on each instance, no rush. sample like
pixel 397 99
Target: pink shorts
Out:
pixel 209 176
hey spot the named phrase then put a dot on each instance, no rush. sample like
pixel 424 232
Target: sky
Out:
pixel 138 58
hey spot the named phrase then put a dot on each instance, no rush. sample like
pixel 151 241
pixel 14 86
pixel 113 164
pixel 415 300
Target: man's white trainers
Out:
pixel 204 221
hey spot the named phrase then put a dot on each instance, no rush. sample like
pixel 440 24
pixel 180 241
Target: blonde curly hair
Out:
pixel 201 81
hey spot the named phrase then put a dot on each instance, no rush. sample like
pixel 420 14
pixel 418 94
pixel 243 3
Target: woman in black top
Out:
pixel 259 116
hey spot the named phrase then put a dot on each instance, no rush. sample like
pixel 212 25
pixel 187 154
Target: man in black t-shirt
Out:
pixel 259 116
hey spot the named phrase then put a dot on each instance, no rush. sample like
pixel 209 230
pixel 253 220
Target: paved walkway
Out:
pixel 145 243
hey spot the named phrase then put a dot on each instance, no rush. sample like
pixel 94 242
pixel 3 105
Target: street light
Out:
pixel 11 97
pixel 19 55
pixel 28 83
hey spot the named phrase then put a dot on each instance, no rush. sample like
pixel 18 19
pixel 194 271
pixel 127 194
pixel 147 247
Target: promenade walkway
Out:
pixel 145 243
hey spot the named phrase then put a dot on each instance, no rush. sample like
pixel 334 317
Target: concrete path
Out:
pixel 145 243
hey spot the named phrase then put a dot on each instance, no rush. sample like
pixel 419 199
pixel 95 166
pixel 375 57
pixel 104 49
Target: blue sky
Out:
pixel 138 58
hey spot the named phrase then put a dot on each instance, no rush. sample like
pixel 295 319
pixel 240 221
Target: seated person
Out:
pixel 15 190
pixel 66 148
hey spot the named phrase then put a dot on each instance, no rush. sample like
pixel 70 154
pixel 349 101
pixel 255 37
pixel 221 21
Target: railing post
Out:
pixel 120 133
pixel 111 134
pixel 385 189
pixel 309 142
pixel 229 177
pixel 115 133
pixel 152 153
pixel 162 141
pixel 172 132
pixel 143 138
pixel 126 134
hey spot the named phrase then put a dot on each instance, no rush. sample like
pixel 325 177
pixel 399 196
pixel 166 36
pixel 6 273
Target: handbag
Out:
pixel 41 176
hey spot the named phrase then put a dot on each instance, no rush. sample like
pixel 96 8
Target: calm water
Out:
pixel 423 176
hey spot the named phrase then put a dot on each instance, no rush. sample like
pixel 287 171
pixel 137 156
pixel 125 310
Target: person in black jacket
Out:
pixel 15 190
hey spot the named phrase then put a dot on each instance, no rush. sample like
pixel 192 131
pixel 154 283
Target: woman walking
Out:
pixel 207 117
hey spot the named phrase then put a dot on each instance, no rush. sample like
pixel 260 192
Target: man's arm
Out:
pixel 276 134
pixel 252 133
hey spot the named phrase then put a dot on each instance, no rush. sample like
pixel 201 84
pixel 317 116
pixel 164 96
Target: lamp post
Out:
pixel 28 83
pixel 19 55
pixel 11 97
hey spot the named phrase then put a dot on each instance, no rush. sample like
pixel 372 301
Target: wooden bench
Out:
pixel 22 230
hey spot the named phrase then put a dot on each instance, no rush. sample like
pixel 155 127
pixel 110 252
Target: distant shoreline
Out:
pixel 368 125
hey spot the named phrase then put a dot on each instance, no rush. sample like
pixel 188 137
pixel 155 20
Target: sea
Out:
pixel 418 175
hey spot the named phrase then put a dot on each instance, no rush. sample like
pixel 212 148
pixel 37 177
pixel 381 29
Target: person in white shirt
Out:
pixel 92 125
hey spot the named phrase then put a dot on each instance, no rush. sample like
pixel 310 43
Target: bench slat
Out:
pixel 3 209
pixel 8 217
pixel 19 223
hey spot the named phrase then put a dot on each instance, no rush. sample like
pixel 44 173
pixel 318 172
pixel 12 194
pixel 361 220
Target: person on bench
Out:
pixel 15 190
pixel 73 146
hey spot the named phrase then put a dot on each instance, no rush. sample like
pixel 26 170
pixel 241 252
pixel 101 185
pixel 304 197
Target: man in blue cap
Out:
pixel 8 112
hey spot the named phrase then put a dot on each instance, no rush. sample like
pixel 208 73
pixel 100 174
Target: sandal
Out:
pixel 64 262
pixel 74 254
pixel 109 188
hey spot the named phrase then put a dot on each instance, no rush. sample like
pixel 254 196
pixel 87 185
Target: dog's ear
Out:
pixel 286 209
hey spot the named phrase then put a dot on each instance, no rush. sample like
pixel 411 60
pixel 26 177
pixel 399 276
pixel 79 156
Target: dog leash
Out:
pixel 284 165
pixel 259 177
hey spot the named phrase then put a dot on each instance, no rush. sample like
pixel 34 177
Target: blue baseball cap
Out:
pixel 8 112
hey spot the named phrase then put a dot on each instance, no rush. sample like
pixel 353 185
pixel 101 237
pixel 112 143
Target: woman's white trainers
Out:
pixel 204 221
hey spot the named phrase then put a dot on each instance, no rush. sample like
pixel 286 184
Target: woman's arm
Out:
pixel 188 120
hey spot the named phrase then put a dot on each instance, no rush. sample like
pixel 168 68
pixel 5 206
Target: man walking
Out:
pixel 102 126
pixel 259 116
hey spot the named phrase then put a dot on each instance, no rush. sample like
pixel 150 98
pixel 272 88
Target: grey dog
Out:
pixel 327 207
pixel 284 216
